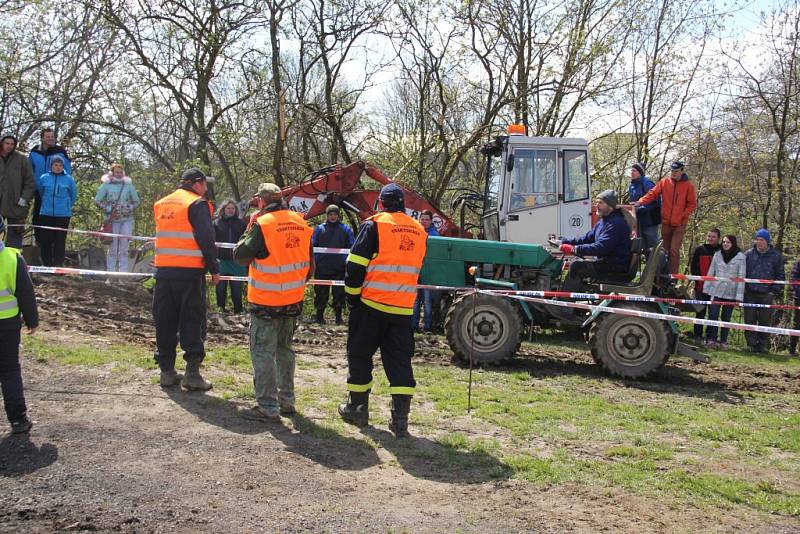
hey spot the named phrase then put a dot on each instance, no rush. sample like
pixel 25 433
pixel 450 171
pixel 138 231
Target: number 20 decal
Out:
pixel 575 221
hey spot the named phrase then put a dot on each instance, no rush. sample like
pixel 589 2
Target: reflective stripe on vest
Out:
pixel 9 307
pixel 175 242
pixel 390 283
pixel 280 278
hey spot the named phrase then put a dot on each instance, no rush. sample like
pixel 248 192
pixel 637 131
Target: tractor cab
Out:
pixel 536 187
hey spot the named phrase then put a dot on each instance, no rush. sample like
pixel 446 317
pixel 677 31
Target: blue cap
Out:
pixel 764 234
pixel 392 193
pixel 676 165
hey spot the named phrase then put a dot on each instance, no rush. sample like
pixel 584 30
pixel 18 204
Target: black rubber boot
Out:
pixel 338 312
pixel 401 405
pixel 319 317
pixel 356 410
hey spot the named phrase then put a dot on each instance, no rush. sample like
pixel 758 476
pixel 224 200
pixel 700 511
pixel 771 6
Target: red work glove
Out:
pixel 568 250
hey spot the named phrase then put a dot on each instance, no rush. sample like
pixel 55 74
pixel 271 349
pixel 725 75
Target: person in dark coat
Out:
pixel 17 187
pixel 795 277
pixel 698 266
pixel 766 263
pixel 609 241
pixel 647 217
pixel 330 266
pixel 229 227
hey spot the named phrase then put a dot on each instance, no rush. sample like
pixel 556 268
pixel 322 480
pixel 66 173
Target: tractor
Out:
pixel 536 189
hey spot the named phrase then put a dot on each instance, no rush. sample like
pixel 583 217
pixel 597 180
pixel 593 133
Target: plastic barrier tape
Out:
pixel 318 250
pixel 657 316
pixel 638 298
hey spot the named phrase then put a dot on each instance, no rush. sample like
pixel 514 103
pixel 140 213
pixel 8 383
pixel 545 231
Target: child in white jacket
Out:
pixel 726 263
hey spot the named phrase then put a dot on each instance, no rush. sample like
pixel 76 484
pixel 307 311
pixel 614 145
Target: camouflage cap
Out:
pixel 268 189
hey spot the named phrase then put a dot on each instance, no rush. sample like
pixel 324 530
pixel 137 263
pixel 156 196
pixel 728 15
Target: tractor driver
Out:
pixel 609 241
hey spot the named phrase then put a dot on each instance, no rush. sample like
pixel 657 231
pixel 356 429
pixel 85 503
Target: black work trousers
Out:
pixel 321 292
pixel 698 328
pixel 758 316
pixel 52 243
pixel 15 233
pixel 579 270
pixel 369 330
pixel 796 326
pixel 11 375
pixel 179 312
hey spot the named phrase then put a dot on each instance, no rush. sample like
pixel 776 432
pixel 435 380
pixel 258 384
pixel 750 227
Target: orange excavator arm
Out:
pixel 340 185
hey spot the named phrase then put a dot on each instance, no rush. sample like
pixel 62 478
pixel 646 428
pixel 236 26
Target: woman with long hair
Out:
pixel 729 262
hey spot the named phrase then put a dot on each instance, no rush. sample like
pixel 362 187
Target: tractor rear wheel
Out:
pixel 629 347
pixel 496 327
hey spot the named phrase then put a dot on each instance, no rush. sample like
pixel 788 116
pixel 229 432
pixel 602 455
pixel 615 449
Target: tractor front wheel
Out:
pixel 627 346
pixel 485 326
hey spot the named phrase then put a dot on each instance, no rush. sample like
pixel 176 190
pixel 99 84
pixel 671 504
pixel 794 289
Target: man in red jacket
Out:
pixel 678 202
pixel 699 265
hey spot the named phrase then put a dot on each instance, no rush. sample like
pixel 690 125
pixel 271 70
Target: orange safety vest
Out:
pixel 280 278
pixel 175 243
pixel 390 284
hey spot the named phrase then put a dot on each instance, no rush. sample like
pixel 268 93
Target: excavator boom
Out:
pixel 340 185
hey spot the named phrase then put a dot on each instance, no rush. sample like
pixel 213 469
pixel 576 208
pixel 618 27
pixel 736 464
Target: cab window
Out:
pixel 576 176
pixel 533 180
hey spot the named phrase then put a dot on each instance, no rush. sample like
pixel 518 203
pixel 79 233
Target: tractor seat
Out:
pixel 633 268
pixel 645 285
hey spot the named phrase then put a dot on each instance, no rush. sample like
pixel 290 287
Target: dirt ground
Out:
pixel 113 452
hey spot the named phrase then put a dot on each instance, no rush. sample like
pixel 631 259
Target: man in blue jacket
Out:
pixel 609 241
pixel 331 234
pixel 766 263
pixel 648 217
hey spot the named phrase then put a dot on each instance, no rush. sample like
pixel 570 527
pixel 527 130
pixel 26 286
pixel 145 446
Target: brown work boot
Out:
pixel 170 378
pixel 257 413
pixel 192 379
pixel 288 409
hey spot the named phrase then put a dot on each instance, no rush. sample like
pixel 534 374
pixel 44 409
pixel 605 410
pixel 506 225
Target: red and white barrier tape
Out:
pixel 546 302
pixel 89 272
pixel 657 316
pixel 329 250
pixel 317 250
pixel 737 279
pixel 638 298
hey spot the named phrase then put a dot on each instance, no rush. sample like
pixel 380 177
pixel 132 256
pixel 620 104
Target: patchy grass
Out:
pixel 594 434
pixel 82 354
pixel 739 449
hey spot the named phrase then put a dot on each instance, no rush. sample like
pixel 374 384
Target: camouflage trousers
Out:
pixel 273 361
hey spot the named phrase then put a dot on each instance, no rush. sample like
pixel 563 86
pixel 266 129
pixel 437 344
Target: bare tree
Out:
pixel 183 48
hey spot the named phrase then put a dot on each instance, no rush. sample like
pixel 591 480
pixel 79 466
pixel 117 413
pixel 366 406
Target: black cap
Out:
pixel 639 168
pixel 392 193
pixel 195 175
pixel 677 165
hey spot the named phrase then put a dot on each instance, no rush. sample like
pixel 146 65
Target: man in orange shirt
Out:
pixel 277 249
pixel 678 202
pixel 185 251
